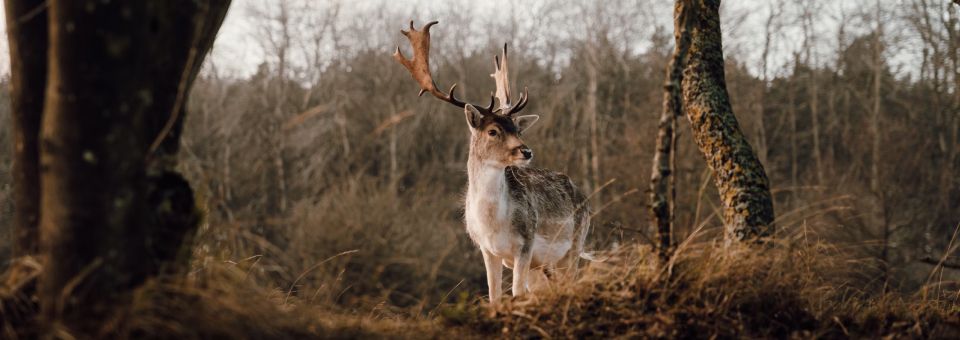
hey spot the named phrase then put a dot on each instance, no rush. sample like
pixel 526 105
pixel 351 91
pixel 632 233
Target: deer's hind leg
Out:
pixel 570 263
pixel 521 268
pixel 539 277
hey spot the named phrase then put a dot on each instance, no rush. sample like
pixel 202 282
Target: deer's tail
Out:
pixel 593 257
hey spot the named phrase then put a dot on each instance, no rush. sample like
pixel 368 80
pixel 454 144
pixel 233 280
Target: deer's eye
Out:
pixel 492 133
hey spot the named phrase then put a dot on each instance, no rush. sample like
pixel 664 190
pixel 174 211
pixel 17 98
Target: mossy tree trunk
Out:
pixel 738 174
pixel 113 212
pixel 27 36
pixel 661 202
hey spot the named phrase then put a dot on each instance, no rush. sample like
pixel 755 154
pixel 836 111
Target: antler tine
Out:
pixel 501 78
pixel 419 66
pixel 521 103
pixel 492 100
pixel 452 95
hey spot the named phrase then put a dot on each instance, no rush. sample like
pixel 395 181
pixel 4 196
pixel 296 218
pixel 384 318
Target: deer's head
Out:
pixel 495 129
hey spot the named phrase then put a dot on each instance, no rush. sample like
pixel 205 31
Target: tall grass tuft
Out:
pixel 789 288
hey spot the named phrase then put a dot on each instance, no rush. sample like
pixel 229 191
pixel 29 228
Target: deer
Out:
pixel 531 220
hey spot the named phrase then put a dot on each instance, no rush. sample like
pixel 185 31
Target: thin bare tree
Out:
pixel 771 28
pixel 661 203
pixel 808 18
pixel 27 35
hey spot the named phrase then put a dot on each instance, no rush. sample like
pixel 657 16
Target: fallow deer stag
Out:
pixel 532 220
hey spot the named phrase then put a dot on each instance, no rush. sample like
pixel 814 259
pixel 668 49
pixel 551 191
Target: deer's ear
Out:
pixel 525 122
pixel 474 117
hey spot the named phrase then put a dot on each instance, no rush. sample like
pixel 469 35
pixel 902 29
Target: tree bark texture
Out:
pixel 114 210
pixel 27 36
pixel 660 201
pixel 739 176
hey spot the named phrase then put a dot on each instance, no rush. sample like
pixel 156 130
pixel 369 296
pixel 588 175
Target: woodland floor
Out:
pixel 791 289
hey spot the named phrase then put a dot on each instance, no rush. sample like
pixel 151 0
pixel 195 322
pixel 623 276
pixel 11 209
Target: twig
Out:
pixel 33 13
pixel 950 249
pixel 445 296
pixel 185 80
pixel 74 282
pixel 294 284
pixel 615 200
pixel 935 262
pixel 596 191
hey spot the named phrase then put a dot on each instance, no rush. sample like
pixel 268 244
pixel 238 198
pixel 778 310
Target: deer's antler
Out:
pixel 500 76
pixel 419 67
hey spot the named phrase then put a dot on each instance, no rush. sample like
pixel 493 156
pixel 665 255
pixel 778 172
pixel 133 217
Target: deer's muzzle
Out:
pixel 526 152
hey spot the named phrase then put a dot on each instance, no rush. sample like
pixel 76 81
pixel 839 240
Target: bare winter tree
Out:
pixel 27 32
pixel 808 18
pixel 771 27
pixel 113 210
pixel 660 200
pixel 738 174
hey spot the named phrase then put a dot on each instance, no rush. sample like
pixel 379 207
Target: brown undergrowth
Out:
pixel 789 288
pixel 219 302
pixel 786 289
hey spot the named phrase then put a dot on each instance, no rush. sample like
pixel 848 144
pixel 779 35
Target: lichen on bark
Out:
pixel 739 175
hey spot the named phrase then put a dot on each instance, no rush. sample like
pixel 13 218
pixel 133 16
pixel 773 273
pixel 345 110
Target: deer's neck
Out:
pixel 487 204
pixel 486 182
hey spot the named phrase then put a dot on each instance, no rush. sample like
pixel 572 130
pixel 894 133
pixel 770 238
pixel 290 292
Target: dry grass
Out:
pixel 793 288
pixel 332 271
pixel 356 248
pixel 222 304
pixel 219 302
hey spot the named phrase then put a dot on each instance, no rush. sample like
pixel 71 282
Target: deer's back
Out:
pixel 550 193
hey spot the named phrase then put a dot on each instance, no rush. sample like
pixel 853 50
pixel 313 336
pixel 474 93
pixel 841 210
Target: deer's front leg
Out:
pixel 494 275
pixel 521 268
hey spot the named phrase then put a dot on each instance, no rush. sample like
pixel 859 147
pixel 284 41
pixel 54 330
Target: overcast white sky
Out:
pixel 237 52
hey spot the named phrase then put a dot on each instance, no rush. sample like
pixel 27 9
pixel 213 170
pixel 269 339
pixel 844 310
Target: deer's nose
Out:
pixel 526 152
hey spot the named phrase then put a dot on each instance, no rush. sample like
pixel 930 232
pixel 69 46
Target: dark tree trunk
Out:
pixel 27 36
pixel 660 202
pixel 739 176
pixel 115 212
